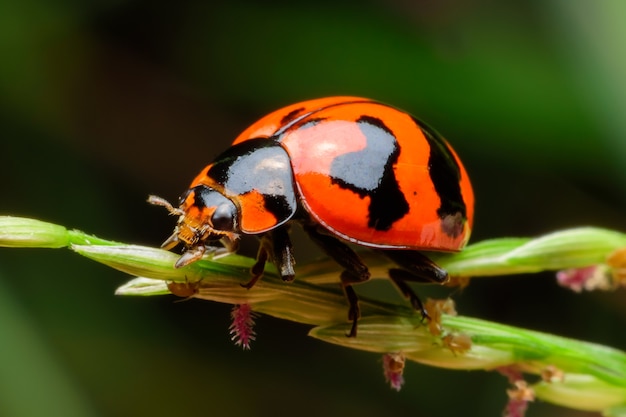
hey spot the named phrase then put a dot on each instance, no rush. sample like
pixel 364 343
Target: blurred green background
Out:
pixel 105 102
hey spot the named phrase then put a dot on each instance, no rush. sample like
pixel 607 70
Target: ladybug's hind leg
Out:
pixel 414 267
pixel 355 270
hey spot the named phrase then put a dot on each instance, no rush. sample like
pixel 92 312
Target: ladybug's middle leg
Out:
pixel 274 246
pixel 355 270
pixel 415 267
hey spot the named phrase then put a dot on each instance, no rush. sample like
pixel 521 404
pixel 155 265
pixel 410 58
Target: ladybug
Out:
pixel 349 170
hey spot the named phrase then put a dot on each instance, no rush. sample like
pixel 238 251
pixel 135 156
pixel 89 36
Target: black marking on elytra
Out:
pixel 291 115
pixel 369 172
pixel 445 174
pixel 311 123
pixel 375 121
pixel 294 119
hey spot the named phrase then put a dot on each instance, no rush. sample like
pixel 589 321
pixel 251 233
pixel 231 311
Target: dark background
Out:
pixel 103 103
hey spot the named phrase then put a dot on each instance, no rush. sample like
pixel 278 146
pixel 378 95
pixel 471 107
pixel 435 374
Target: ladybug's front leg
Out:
pixel 274 246
pixel 281 253
pixel 355 271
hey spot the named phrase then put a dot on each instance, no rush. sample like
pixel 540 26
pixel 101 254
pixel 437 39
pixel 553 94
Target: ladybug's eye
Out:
pixel 224 217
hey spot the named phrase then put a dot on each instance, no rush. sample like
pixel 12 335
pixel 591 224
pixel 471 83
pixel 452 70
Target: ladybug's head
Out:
pixel 205 216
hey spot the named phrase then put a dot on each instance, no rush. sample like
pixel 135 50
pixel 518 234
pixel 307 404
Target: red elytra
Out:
pixel 348 169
